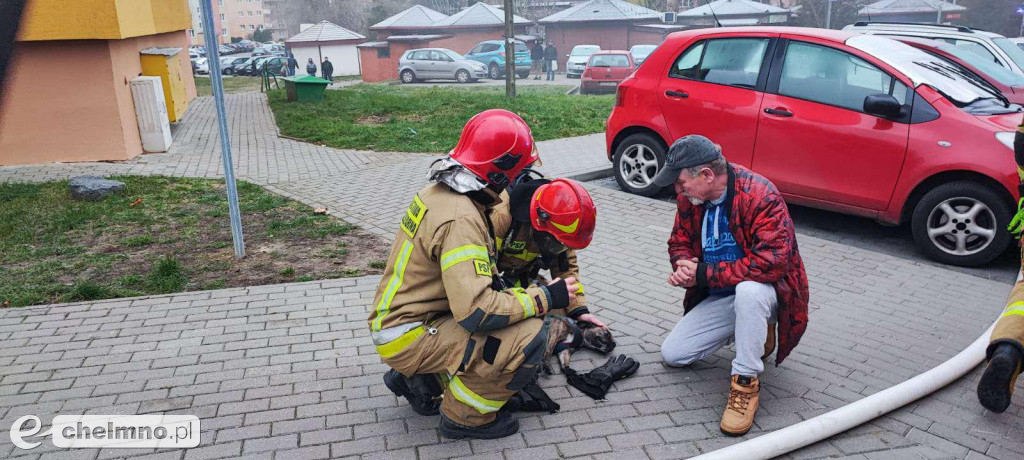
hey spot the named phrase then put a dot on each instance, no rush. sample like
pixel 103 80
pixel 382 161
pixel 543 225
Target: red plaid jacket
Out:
pixel 760 222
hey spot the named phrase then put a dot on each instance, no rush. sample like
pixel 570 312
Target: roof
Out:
pixel 373 45
pixel 480 14
pixel 602 10
pixel 324 31
pixel 417 38
pixel 909 6
pixel 732 8
pixel 417 16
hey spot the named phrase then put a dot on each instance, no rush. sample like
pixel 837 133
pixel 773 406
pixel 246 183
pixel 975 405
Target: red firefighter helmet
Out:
pixel 564 209
pixel 495 146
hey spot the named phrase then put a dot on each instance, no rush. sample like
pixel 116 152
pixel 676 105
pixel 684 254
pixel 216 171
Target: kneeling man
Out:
pixel 733 248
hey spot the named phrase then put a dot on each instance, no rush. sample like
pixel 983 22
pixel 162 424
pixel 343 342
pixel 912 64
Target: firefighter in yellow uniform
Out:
pixel 564 217
pixel 440 318
pixel 1005 351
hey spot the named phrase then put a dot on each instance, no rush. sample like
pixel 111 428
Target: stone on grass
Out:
pixel 93 188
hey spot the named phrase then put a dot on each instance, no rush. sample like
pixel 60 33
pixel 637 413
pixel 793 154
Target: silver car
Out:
pixel 438 64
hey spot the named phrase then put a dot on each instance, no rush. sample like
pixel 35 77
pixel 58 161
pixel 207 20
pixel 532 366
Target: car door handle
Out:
pixel 779 112
pixel 671 93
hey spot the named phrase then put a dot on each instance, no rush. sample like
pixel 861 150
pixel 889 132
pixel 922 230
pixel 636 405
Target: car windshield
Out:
pixel 521 48
pixel 585 50
pixel 967 91
pixel 985 65
pixel 453 55
pixel 609 60
pixel 1011 49
pixel 642 50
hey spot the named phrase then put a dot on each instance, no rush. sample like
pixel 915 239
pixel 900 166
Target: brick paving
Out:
pixel 287 371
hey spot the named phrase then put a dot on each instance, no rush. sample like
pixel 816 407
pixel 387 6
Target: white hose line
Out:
pixel 859 412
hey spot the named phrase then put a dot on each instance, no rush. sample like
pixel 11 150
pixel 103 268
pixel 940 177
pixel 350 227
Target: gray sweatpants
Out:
pixel 716 320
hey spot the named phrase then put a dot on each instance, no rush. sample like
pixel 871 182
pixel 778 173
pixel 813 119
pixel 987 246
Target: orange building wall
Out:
pixel 377 69
pixel 50 115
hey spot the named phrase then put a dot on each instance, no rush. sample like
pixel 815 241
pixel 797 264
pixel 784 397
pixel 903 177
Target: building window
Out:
pixel 250 13
pixel 192 33
pixel 260 26
pixel 384 53
pixel 222 17
pixel 240 14
pixel 259 12
pixel 220 2
pixel 252 27
pixel 224 32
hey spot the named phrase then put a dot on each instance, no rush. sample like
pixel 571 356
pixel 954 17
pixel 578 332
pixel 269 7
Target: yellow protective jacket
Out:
pixel 441 261
pixel 520 257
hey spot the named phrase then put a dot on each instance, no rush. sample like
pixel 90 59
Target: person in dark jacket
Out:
pixel 292 64
pixel 327 69
pixel 311 67
pixel 550 57
pixel 733 248
pixel 537 57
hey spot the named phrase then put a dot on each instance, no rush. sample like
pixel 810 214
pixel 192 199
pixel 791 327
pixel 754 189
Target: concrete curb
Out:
pixel 591 174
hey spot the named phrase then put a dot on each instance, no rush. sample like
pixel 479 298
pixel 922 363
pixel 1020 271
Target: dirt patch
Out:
pixel 373 120
pixel 413 118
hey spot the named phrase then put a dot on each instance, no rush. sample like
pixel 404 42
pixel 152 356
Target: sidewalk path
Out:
pixel 288 372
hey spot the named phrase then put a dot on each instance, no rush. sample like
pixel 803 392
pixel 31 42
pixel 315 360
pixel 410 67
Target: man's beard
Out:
pixel 694 201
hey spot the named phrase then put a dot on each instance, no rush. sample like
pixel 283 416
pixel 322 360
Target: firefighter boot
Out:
pixel 996 385
pixel 503 425
pixel 742 405
pixel 422 391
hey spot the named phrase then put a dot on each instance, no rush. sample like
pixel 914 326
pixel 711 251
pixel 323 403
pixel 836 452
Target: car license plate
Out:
pixel 609 83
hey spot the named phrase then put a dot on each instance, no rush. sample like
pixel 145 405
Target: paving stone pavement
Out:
pixel 287 371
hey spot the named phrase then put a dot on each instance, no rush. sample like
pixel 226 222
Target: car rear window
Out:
pixel 609 60
pixel 521 48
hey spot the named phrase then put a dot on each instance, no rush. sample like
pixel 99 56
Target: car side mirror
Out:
pixel 882 105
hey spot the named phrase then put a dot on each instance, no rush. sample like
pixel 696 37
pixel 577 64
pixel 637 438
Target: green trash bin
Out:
pixel 305 88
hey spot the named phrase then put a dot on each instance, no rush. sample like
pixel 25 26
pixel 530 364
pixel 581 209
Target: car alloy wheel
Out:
pixel 407 76
pixel 638 166
pixel 462 76
pixel 961 226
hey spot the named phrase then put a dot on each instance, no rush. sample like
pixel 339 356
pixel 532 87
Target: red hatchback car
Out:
pixel 857 124
pixel 605 70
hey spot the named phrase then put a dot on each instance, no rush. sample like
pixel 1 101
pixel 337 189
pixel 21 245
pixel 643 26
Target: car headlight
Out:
pixel 1006 137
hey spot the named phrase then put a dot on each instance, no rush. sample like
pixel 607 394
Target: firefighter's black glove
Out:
pixel 531 398
pixel 597 382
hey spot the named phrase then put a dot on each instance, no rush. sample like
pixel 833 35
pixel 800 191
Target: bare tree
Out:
pixel 813 12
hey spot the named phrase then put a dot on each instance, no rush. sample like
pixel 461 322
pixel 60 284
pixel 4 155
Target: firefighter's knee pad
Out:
pixel 533 352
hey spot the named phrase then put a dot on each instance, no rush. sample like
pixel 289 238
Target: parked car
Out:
pixel 491 53
pixel 992 46
pixel 1006 82
pixel 857 124
pixel 276 65
pixel 260 51
pixel 224 49
pixel 200 66
pixel 640 52
pixel 605 70
pixel 227 64
pixel 577 59
pixel 244 67
pixel 438 63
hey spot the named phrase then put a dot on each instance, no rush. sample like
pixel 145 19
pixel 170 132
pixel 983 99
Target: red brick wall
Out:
pixel 380 69
pixel 645 37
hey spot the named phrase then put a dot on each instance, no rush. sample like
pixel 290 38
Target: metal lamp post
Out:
pixel 222 123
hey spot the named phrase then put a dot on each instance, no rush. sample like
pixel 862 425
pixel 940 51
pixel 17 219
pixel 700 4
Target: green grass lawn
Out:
pixel 395 118
pixel 165 235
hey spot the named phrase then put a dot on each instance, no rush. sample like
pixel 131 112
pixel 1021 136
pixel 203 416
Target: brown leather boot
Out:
pixel 769 343
pixel 742 405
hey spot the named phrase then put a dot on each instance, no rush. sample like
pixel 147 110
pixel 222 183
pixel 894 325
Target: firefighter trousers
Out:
pixel 1010 327
pixel 481 370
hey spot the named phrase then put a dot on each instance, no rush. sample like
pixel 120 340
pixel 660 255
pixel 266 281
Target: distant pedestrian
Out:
pixel 537 56
pixel 550 60
pixel 327 69
pixel 311 68
pixel 292 64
